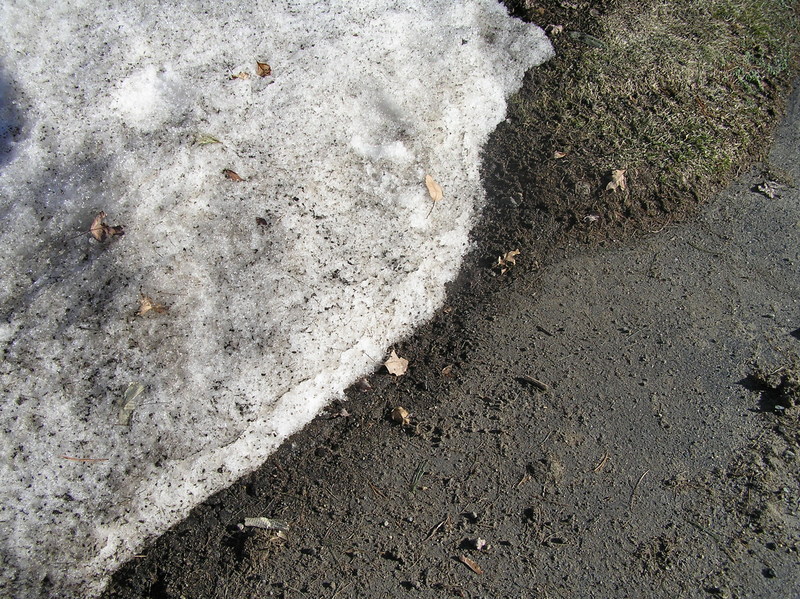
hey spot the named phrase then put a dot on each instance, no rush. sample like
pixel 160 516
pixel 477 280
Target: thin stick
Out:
pixel 602 463
pixel 636 486
pixel 376 490
pixel 436 528
pixel 66 457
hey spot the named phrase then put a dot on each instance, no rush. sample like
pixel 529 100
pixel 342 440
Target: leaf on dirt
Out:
pixel 396 365
pixel 101 231
pixel 401 416
pixel 129 403
pixel 242 75
pixel 771 189
pixel 146 304
pixel 559 155
pixel 447 371
pixel 506 261
pixel 266 523
pixel 618 181
pixel 471 564
pixel 233 176
pixel 434 189
pixel 554 29
pixel 263 69
pixel 364 385
pixel 534 382
pixel 204 139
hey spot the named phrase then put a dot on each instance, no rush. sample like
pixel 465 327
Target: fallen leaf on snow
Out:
pixel 204 139
pixel 146 304
pixel 129 403
pixel 101 231
pixel 243 75
pixel 401 416
pixel 396 365
pixel 233 176
pixel 434 189
pixel 263 69
pixel 618 181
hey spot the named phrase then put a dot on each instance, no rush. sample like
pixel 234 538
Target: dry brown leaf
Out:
pixel 101 231
pixel 618 181
pixel 396 365
pixel 554 29
pixel 559 155
pixel 471 564
pixel 401 416
pixel 364 385
pixel 232 175
pixel 242 75
pixel 434 189
pixel 447 371
pixel 507 260
pixel 146 304
pixel 263 69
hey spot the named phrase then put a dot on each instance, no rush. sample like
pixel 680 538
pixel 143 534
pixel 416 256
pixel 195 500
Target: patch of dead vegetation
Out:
pixel 681 96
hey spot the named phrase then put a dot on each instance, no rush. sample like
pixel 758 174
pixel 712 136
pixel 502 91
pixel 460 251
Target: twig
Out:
pixel 722 546
pixel 436 528
pixel 376 490
pixel 66 457
pixel 602 463
pixel 342 589
pixel 636 486
pixel 535 382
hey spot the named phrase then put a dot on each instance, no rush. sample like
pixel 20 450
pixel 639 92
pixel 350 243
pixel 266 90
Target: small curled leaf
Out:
pixel 233 176
pixel 263 69
pixel 101 231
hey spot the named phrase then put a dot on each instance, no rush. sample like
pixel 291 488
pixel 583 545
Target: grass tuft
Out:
pixel 682 94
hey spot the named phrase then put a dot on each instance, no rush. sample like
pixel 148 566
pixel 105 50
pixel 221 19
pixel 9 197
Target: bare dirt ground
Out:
pixel 605 419
pixel 616 423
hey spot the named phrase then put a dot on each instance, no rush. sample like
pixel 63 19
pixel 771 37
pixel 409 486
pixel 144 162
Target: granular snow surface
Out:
pixel 272 293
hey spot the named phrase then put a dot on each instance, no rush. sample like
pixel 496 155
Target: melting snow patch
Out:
pixel 267 296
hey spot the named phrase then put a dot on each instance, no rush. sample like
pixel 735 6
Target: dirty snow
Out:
pixel 101 106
